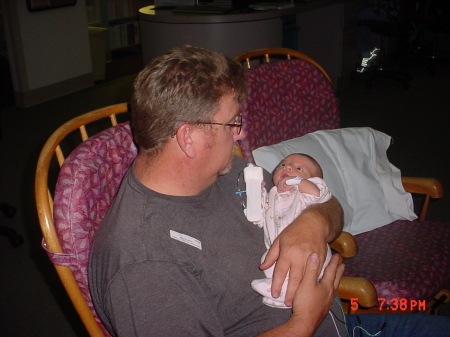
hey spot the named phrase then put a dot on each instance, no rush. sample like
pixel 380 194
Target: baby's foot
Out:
pixel 263 287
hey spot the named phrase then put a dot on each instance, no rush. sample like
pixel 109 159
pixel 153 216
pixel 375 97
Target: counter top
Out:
pixel 149 13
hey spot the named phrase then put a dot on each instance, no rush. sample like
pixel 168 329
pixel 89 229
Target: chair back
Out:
pixel 87 182
pixel 258 56
pixel 290 98
pixel 287 99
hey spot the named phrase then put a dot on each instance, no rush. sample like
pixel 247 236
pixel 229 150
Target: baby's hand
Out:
pixel 282 186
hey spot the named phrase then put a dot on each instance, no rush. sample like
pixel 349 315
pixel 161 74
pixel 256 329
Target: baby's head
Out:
pixel 297 164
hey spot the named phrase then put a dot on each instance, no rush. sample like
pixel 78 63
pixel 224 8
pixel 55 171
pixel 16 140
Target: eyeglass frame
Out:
pixel 237 125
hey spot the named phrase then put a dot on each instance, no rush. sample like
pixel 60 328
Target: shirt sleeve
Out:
pixel 324 195
pixel 160 299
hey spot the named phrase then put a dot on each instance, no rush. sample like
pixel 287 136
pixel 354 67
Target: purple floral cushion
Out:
pixel 393 258
pixel 287 99
pixel 87 183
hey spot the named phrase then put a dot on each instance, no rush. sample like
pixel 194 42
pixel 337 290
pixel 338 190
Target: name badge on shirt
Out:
pixel 186 239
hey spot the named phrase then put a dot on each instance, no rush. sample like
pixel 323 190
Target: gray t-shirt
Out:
pixel 182 266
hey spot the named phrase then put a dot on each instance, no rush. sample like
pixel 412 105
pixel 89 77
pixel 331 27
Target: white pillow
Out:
pixel 357 171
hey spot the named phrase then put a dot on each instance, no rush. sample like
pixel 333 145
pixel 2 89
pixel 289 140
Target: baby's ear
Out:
pixel 263 183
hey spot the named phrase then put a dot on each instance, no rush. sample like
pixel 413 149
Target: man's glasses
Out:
pixel 237 123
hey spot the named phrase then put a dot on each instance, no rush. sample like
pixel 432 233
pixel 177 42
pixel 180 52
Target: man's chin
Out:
pixel 226 169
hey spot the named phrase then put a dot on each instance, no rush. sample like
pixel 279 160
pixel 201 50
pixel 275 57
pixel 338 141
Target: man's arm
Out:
pixel 312 299
pixel 308 233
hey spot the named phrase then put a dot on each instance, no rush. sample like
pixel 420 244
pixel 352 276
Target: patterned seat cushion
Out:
pixel 87 183
pixel 286 99
pixel 404 260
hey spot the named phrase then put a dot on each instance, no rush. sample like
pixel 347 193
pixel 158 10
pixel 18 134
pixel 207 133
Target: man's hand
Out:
pixel 313 299
pixel 308 234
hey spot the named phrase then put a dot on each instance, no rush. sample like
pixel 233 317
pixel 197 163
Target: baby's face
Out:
pixel 295 165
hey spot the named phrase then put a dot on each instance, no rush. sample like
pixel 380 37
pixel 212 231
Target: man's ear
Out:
pixel 185 140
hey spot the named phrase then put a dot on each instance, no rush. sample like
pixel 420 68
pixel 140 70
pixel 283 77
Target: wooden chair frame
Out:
pixel 44 203
pixel 267 53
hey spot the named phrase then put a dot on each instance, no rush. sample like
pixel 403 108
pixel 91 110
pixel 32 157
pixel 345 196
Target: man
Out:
pixel 175 255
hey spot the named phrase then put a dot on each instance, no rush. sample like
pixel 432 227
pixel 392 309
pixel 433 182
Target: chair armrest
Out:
pixel 431 187
pixel 428 186
pixel 345 245
pixel 359 289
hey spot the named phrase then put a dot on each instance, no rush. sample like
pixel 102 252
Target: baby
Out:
pixel 298 184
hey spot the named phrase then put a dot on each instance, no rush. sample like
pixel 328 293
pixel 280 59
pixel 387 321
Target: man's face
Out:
pixel 222 139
